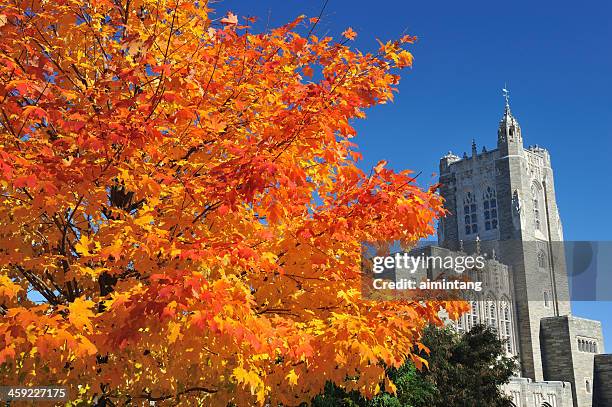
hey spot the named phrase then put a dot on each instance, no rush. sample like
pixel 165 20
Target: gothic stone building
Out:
pixel 502 202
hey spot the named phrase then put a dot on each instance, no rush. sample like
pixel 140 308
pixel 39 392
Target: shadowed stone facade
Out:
pixel 569 346
pixel 602 396
pixel 502 202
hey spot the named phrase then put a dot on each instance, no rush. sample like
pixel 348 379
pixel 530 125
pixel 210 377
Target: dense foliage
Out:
pixel 464 371
pixel 181 208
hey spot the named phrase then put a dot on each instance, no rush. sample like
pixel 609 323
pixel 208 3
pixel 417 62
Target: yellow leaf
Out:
pixel 80 313
pixel 269 256
pixel 7 287
pixel 404 59
pixel 390 386
pixel 144 220
pixel 292 377
pixel 174 331
pixel 82 247
pixel 251 379
pixel 114 250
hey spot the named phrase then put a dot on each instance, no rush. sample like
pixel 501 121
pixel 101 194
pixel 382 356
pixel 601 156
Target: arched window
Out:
pixel 470 216
pixel 587 345
pixel 541 259
pixel 537 201
pixel 490 209
pixel 472 315
pixel 492 313
pixel 506 325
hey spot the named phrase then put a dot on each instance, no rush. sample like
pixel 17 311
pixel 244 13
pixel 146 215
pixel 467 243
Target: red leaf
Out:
pixel 26 181
pixel 223 210
pixel 246 252
pixel 35 112
pixel 380 166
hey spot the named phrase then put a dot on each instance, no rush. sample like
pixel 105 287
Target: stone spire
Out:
pixel 509 131
pixel 506 92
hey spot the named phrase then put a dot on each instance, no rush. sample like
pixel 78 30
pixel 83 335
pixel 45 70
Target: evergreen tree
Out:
pixel 464 371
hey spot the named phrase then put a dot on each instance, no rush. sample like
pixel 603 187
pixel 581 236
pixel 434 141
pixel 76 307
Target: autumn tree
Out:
pixel 181 209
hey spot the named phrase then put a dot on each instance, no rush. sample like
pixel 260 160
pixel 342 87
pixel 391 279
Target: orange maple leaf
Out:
pixel 80 313
pixel 231 19
pixel 349 34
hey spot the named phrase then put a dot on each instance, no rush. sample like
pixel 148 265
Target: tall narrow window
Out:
pixel 506 325
pixel 535 193
pixel 541 259
pixel 546 299
pixel 492 314
pixel 490 209
pixel 472 315
pixel 469 214
pixel 587 345
pixel 588 385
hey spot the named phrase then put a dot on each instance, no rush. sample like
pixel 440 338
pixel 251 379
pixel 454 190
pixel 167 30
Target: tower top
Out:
pixel 506 94
pixel 509 130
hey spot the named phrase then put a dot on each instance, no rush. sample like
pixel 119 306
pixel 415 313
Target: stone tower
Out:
pixel 506 199
pixel 502 203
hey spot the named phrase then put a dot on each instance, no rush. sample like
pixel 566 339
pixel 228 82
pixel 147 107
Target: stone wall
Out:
pixel 527 393
pixel 602 390
pixel 564 359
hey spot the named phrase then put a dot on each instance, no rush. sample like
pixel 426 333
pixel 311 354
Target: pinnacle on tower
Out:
pixel 509 130
pixel 506 93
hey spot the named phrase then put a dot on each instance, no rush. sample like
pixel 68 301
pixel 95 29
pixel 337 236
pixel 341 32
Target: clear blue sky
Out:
pixel 555 56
